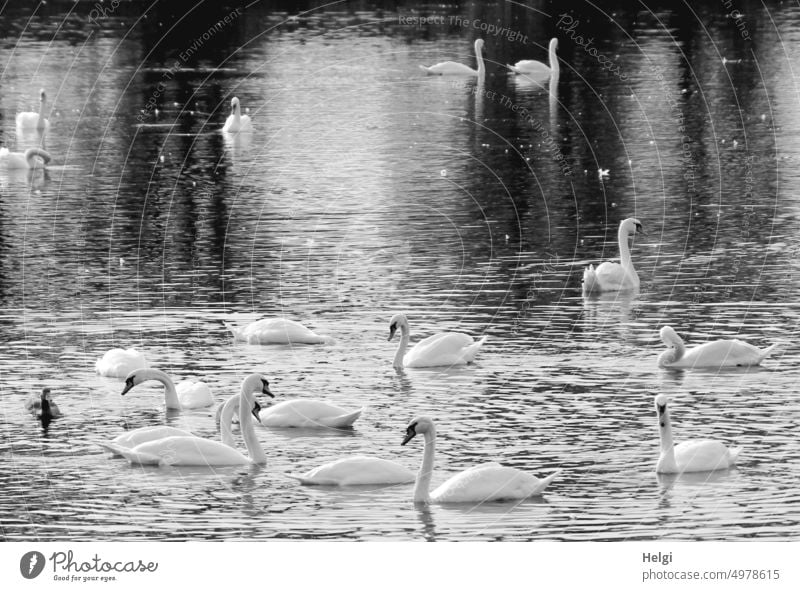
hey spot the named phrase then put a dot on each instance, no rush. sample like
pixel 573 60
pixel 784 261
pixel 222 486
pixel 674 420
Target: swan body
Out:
pixel 118 363
pixel 442 349
pixel 615 276
pixel 237 122
pixel 30 121
pixel 698 455
pixel 456 69
pixel 721 353
pixel 355 471
pixel 131 439
pixel 482 483
pixel 309 414
pixel 32 158
pixel 43 407
pixel 276 331
pixel 538 70
pixel 185 396
pixel 177 450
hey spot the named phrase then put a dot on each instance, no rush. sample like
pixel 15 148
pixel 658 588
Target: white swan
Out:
pixel 482 483
pixel 118 363
pixel 276 331
pixel 615 276
pixel 236 121
pixel 537 70
pixel 456 69
pixel 197 451
pixel 356 471
pixel 29 121
pixel 722 353
pixel 230 408
pixel 32 158
pixel 309 414
pixel 441 349
pixel 187 395
pixel 698 455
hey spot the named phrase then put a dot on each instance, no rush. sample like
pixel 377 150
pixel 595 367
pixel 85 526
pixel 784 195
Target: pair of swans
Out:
pixel 620 276
pixel 697 455
pixel 483 483
pixel 30 159
pixel 28 121
pixel 186 449
pixel 237 122
pixel 442 349
pixel 276 331
pixel 537 70
pixel 716 354
pixel 43 407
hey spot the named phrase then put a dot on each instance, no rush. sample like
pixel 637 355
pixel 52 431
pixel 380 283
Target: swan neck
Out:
pixel 422 485
pixel 170 394
pixel 667 460
pixel 553 61
pixel 479 58
pixel 624 249
pixel 254 449
pixel 42 106
pixel 226 420
pixel 677 350
pixel 401 348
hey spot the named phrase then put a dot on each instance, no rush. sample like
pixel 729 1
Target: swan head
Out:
pixel 42 95
pixel 256 383
pixel 631 227
pixel 418 425
pixel 670 337
pixel 134 379
pixel 661 407
pixel 46 394
pixel 478 44
pixel 398 321
pixel 234 104
pixel 553 45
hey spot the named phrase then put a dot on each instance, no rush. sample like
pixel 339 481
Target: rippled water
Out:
pixel 368 189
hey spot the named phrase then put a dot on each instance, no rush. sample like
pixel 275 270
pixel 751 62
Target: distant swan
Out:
pixel 118 363
pixel 482 483
pixel 236 121
pixel 187 395
pixel 197 451
pixel 697 455
pixel 276 331
pixel 722 353
pixel 456 69
pixel 615 276
pixel 441 349
pixel 43 407
pixel 538 70
pixel 355 471
pixel 29 159
pixel 309 414
pixel 29 121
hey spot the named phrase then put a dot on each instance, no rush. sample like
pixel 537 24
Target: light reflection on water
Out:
pixel 369 189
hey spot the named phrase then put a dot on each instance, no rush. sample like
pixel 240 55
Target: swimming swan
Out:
pixel 456 69
pixel 43 407
pixel 309 414
pixel 197 451
pixel 187 395
pixel 276 331
pixel 118 363
pixel 722 353
pixel 32 158
pixel 229 409
pixel 29 121
pixel 615 276
pixel 236 121
pixel 482 483
pixel 538 70
pixel 441 349
pixel 356 471
pixel 697 455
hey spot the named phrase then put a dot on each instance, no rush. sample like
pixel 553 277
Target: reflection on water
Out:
pixel 367 189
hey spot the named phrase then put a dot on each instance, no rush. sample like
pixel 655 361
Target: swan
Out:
pixel 118 363
pixel 28 120
pixel 43 407
pixel 197 451
pixel 309 414
pixel 187 395
pixel 236 121
pixel 356 471
pixel 615 276
pixel 697 455
pixel 444 348
pixel 226 412
pixel 278 331
pixel 538 70
pixel 722 353
pixel 481 483
pixel 32 158
pixel 456 69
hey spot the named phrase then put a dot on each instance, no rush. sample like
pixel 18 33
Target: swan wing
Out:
pixel 186 451
pixel 450 69
pixel 357 470
pixel 307 413
pixel 723 353
pixel 531 69
pixel 487 482
pixel 276 331
pixel 703 455
pixel 194 394
pixel 133 438
pixel 446 348
pixel 118 363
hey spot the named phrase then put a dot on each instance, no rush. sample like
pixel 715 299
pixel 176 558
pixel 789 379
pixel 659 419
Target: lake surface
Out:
pixel 368 188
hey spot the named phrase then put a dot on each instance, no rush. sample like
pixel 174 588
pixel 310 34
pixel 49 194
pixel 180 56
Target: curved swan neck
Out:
pixel 32 153
pixel 422 486
pixel 401 348
pixel 676 349
pixel 226 420
pixel 170 394
pixel 42 106
pixel 553 60
pixel 624 249
pixel 479 58
pixel 257 455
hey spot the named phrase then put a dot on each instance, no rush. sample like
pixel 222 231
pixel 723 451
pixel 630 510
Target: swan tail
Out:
pixel 734 455
pixel 544 482
pixel 589 279
pixel 426 69
pixel 471 351
pixel 132 456
pixel 237 334
pixel 768 351
pixel 344 421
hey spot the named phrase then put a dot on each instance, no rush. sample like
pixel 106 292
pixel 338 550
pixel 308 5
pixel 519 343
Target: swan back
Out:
pixel 489 482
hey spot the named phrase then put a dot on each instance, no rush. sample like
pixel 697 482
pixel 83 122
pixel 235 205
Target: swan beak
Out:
pixel 410 434
pixel 640 230
pixel 392 330
pixel 266 390
pixel 128 385
pixel 256 410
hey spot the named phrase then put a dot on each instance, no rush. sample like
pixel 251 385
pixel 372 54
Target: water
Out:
pixel 368 189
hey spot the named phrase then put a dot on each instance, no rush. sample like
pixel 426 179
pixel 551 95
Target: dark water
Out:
pixel 368 188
